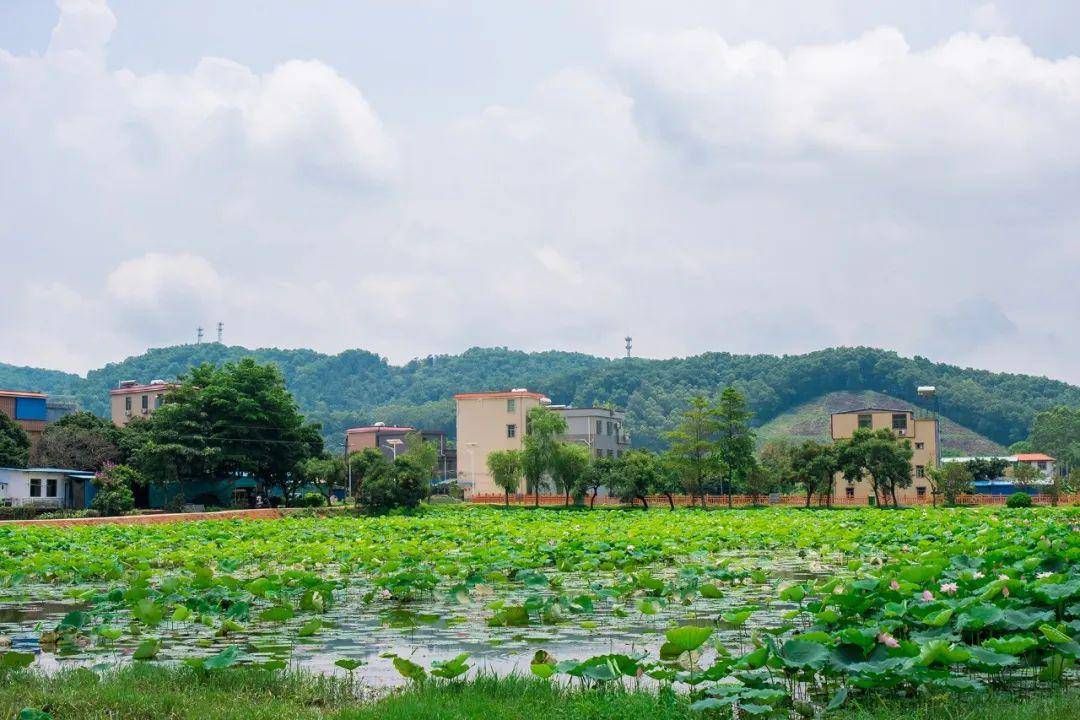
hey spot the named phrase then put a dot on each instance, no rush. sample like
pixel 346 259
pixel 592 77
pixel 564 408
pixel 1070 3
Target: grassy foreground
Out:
pixel 159 693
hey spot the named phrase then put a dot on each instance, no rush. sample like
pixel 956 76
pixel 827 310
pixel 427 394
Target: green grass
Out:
pixel 147 692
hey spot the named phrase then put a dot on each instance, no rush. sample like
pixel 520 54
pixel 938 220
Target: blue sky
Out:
pixel 418 177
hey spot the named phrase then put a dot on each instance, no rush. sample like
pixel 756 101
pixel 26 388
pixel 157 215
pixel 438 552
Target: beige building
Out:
pixel 487 422
pixel 132 400
pixel 922 433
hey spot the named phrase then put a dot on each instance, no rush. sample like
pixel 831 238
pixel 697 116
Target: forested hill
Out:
pixel 358 387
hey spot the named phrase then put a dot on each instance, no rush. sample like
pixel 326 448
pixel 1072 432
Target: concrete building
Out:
pixel 45 487
pixel 131 400
pixel 27 409
pixel 486 422
pixel 390 439
pixel 922 433
pixel 601 429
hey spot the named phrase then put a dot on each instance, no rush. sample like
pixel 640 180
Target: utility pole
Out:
pixel 198 335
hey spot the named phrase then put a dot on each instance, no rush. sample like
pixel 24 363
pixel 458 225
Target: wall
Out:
pixel 483 421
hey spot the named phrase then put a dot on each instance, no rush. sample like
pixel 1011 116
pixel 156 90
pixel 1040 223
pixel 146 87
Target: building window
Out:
pixel 866 422
pixel 511 431
pixel 919 445
pixel 35 487
pixel 145 402
pixel 899 421
pixel 920 491
pixel 127 403
pixel 920 471
pixel 511 405
pixel 599 427
pixel 1042 464
pixel 50 487
pixel 157 400
pixel 609 427
pixel 849 491
pixel 599 453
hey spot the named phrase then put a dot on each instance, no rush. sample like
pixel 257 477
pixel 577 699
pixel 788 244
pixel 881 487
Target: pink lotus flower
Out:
pixel 927 595
pixel 1003 576
pixel 1043 575
pixel 1005 591
pixel 949 588
pixel 887 640
pixel 977 575
pixel 894 585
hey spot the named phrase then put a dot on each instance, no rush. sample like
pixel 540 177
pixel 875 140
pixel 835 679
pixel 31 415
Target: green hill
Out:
pixel 810 421
pixel 358 387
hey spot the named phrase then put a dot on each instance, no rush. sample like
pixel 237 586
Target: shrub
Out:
pixel 114 496
pixel 311 500
pixel 68 514
pixel 1019 500
pixel 22 512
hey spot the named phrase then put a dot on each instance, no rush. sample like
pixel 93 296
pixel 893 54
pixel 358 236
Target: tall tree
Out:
pixel 735 439
pixel 569 465
pixel 14 443
pixel 504 466
pixel 1056 432
pixel 668 479
pixel 635 476
pixel 950 481
pixel 813 465
pixel 776 458
pixel 422 451
pixel 539 447
pixel 879 455
pixel 227 420
pixel 692 446
pixel 80 441
pixel 597 475
pixel 327 473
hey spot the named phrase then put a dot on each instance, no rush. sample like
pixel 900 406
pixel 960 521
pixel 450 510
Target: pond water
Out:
pixel 435 627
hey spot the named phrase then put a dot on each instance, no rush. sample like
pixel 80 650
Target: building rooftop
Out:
pixel 22 394
pixel 143 388
pixel 873 409
pixel 380 428
pixel 516 393
pixel 66 471
pixel 1034 457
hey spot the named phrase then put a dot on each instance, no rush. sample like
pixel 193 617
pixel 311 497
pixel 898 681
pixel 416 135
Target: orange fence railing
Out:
pixel 661 501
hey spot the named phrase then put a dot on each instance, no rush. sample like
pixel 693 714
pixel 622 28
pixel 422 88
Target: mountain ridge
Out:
pixel 358 387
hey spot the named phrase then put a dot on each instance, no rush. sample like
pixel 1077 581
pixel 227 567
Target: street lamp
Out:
pixel 394 443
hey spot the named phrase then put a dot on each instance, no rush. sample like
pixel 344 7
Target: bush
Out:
pixel 22 512
pixel 68 514
pixel 311 500
pixel 1019 500
pixel 113 500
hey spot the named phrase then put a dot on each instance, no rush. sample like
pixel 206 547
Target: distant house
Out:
pixel 46 487
pixel 131 400
pixel 390 440
pixel 922 433
pixel 27 409
pixel 1004 485
pixel 602 430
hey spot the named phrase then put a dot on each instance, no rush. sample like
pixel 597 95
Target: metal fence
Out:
pixel 748 500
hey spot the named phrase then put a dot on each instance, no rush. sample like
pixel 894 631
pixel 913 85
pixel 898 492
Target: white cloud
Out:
pixel 699 192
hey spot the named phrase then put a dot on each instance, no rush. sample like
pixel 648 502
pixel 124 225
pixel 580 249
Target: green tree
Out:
pixel 1056 432
pixel 668 480
pixel 570 463
pixel 114 485
pixel 222 421
pixel 634 476
pixel 983 469
pixel 597 475
pixel 1025 475
pixel 539 448
pixel 413 476
pixel 734 438
pixel 504 466
pixel 422 451
pixel 776 458
pixel 81 441
pixel 879 455
pixel 14 443
pixel 813 466
pixel 327 473
pixel 950 481
pixel 692 447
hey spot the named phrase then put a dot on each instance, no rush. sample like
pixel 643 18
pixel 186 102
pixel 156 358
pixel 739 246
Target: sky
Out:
pixel 423 176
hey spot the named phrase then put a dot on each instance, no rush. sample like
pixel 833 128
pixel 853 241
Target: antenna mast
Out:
pixel 629 345
pixel 198 335
pixel 220 329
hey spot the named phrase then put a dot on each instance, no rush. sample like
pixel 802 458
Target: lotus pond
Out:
pixel 770 611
